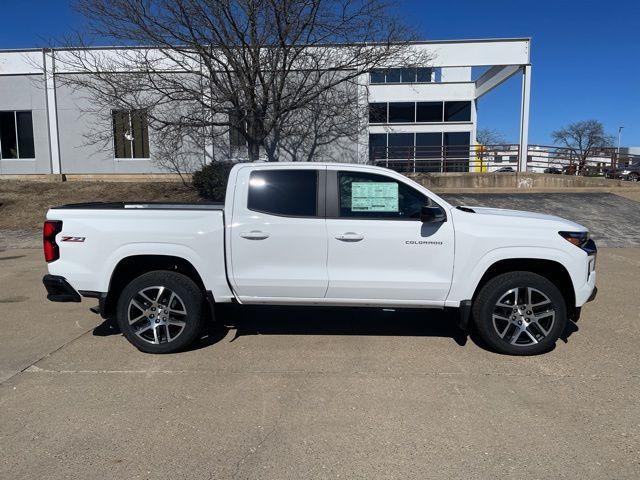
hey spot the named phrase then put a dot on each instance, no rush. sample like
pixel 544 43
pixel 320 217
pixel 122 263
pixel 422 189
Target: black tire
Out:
pixel 497 289
pixel 634 177
pixel 184 328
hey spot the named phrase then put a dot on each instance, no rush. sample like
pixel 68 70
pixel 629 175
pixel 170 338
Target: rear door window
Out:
pixel 291 193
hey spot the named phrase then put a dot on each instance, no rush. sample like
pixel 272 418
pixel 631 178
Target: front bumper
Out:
pixel 59 290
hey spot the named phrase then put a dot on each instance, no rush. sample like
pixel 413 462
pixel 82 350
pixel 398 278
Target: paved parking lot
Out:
pixel 299 393
pixel 325 393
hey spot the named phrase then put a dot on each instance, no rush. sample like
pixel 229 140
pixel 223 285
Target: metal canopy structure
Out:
pixel 504 58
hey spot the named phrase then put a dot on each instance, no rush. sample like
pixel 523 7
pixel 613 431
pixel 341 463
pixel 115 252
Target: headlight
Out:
pixel 579 239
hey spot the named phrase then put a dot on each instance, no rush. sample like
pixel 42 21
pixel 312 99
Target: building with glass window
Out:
pixel 419 113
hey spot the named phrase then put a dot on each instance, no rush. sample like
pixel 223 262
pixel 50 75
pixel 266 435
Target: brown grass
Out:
pixel 23 204
pixel 631 195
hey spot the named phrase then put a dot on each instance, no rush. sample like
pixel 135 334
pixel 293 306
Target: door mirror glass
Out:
pixel 432 214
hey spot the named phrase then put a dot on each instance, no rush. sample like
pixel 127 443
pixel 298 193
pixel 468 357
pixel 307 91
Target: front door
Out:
pixel 378 248
pixel 278 234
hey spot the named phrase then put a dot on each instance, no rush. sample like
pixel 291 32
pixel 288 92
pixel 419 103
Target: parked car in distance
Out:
pixel 553 170
pixel 505 170
pixel 630 171
pixel 320 234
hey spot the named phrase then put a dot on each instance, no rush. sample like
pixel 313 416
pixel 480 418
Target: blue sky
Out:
pixel 585 54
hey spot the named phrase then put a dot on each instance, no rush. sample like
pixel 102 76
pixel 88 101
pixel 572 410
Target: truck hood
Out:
pixel 548 220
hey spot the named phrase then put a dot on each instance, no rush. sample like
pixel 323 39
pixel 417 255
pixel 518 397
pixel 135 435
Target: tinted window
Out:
pixel 393 75
pixel 284 192
pixel 404 112
pixel 400 145
pixel 8 135
pixel 429 150
pixel 429 112
pixel 424 74
pixel 428 145
pixel 25 135
pixel 457 111
pixel 236 125
pixel 377 113
pixel 377 145
pixel 456 150
pixel 140 132
pixel 408 75
pixel 376 76
pixel 130 133
pixel 367 195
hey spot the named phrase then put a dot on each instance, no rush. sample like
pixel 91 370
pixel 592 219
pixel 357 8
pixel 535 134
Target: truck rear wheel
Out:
pixel 520 313
pixel 160 312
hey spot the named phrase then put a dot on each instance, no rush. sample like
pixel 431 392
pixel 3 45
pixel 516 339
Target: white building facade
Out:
pixel 414 113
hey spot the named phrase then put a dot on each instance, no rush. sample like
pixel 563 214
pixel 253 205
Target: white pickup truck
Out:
pixel 320 234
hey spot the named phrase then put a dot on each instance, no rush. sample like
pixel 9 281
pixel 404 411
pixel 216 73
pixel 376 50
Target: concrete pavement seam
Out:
pixel 25 369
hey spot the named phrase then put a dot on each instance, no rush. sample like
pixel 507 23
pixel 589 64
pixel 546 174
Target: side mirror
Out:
pixel 432 214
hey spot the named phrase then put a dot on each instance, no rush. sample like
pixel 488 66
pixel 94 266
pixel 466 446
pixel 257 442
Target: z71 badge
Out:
pixel 73 239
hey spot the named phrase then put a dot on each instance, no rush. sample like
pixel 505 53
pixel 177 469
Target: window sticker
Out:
pixel 374 197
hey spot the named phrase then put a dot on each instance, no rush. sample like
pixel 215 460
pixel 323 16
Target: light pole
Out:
pixel 619 136
pixel 618 149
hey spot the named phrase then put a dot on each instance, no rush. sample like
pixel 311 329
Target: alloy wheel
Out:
pixel 523 316
pixel 157 315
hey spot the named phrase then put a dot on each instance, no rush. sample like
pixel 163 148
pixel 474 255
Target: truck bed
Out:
pixel 144 205
pixel 96 236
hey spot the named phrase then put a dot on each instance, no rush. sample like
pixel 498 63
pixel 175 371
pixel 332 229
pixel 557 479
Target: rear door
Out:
pixel 379 250
pixel 278 239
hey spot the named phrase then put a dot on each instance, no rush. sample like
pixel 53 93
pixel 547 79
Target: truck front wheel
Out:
pixel 519 313
pixel 160 312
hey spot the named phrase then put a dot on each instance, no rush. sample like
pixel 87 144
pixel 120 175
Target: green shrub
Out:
pixel 211 180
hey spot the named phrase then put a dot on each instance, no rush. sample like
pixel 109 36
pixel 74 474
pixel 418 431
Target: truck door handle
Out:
pixel 350 237
pixel 254 235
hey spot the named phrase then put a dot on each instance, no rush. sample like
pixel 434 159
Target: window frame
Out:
pixel 400 105
pixel 320 192
pixel 383 73
pixel 333 196
pixel 17 136
pixel 451 102
pixel 385 146
pixel 426 105
pixel 378 71
pixel 129 115
pixel 376 105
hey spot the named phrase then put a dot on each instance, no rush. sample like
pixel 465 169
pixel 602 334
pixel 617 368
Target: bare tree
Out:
pixel 487 136
pixel 326 129
pixel 584 138
pixel 253 67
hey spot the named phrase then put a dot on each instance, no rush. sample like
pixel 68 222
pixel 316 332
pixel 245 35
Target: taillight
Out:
pixel 49 231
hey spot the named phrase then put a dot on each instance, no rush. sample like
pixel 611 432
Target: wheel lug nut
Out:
pixel 151 316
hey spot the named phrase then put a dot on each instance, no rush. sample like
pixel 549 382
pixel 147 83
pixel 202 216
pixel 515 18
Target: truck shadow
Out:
pixel 277 320
pixel 268 320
